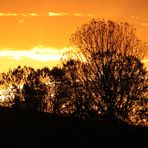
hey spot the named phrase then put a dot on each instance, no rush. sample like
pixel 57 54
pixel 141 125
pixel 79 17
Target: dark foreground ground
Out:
pixel 19 129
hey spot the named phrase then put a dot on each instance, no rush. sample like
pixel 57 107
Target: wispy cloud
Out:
pixel 33 14
pixel 81 14
pixel 77 14
pixel 8 14
pixel 144 24
pixel 134 17
pixel 57 14
pixel 51 14
pixel 39 53
pixel 68 14
pixel 19 14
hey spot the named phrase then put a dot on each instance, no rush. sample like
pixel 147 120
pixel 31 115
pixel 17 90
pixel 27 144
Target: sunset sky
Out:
pixel 36 32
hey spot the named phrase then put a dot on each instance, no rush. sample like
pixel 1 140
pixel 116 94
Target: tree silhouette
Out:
pixel 16 76
pixel 45 77
pixel 120 81
pixel 101 35
pixel 21 80
pixel 102 78
pixel 34 92
pixel 113 77
pixel 71 95
pixel 57 76
pixel 18 99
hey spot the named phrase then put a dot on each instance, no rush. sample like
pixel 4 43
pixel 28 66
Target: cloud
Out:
pixel 19 14
pixel 57 14
pixel 78 14
pixel 68 14
pixel 39 53
pixel 144 24
pixel 81 14
pixel 8 14
pixel 51 14
pixel 134 17
pixel 33 14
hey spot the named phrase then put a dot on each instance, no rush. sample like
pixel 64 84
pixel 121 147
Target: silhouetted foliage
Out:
pixel 19 83
pixel 103 77
pixel 57 75
pixel 16 76
pixel 34 92
pixel 18 99
pixel 112 76
pixel 101 36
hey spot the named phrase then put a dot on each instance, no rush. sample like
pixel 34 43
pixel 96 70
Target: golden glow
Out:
pixel 26 24
pixel 69 14
pixel 36 57
pixel 145 61
pixel 48 14
pixel 57 14
pixel 18 14
pixel 144 24
pixel 39 53
pixel 7 14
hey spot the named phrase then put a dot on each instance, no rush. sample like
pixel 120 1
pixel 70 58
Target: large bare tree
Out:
pixel 101 35
pixel 113 75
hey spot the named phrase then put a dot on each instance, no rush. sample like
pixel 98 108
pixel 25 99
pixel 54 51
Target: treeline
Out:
pixel 103 78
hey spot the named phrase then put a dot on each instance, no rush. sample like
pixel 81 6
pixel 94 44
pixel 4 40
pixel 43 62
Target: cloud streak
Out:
pixel 57 14
pixel 50 14
pixel 144 24
pixel 134 17
pixel 8 14
pixel 39 53
pixel 19 14
pixel 80 14
pixel 68 14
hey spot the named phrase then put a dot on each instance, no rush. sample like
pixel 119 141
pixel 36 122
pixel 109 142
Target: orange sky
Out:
pixel 36 32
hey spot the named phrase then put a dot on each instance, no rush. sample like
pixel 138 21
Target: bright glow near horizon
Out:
pixel 27 24
pixel 37 57
pixel 39 53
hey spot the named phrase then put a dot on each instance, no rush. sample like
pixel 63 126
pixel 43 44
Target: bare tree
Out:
pixel 113 75
pixel 101 35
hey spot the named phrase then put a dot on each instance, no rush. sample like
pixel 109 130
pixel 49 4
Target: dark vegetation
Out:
pixel 101 89
pixel 27 128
